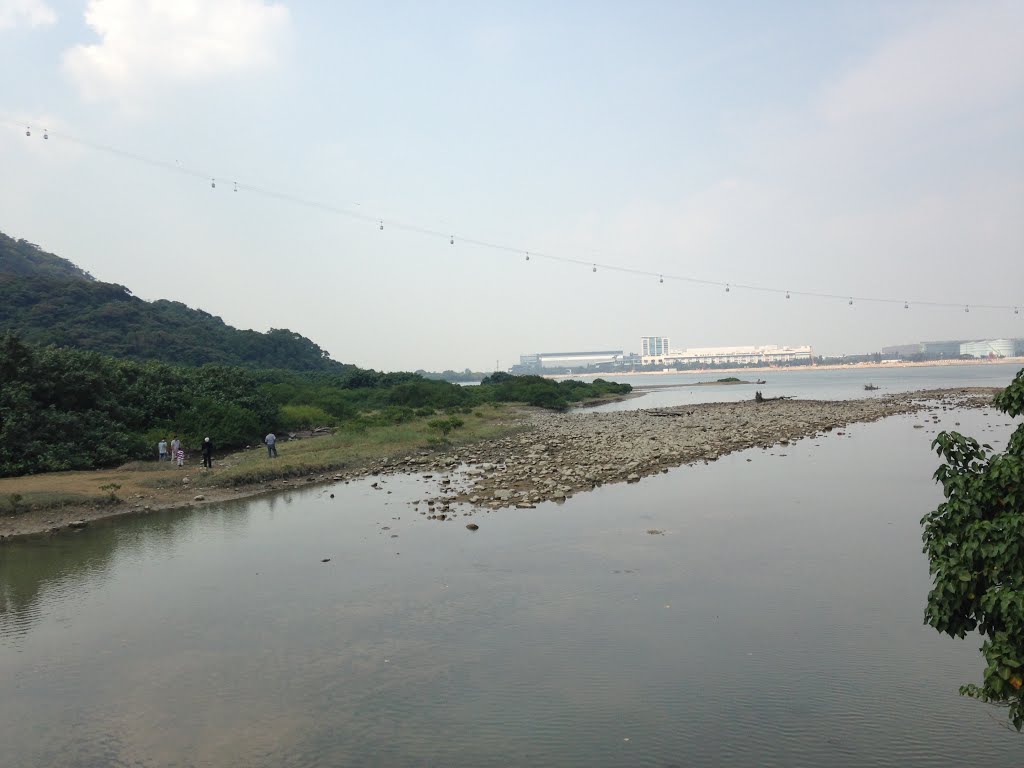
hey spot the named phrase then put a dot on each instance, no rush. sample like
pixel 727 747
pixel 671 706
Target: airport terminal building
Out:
pixel 747 355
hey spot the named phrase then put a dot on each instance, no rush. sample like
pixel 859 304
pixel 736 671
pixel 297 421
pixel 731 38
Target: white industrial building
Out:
pixel 542 360
pixel 989 348
pixel 749 355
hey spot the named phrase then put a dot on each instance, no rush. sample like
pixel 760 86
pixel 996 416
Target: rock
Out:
pixel 78 524
pixel 326 560
pixel 186 480
pixel 503 495
pixel 200 497
pixel 472 526
pixel 633 478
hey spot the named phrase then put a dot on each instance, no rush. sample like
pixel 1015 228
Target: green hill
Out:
pixel 25 259
pixel 46 299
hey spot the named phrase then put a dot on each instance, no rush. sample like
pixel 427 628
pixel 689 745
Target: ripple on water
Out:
pixel 776 623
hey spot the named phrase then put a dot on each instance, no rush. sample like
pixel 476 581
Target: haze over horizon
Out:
pixel 867 150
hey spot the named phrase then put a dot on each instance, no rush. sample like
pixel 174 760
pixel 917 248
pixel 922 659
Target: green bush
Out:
pixel 974 541
pixel 444 426
pixel 294 417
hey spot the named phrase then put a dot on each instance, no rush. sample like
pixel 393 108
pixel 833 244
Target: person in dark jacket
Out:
pixel 207 454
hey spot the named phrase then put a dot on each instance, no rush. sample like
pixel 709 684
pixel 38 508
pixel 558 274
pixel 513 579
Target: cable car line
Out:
pixel 380 222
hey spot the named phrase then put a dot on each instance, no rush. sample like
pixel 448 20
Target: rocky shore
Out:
pixel 561 455
pixel 557 455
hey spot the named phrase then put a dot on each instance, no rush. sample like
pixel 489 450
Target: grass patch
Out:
pixel 348 448
pixel 29 501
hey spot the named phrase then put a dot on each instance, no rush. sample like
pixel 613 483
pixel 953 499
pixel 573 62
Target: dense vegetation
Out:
pixel 48 300
pixel 25 259
pixel 74 409
pixel 465 376
pixel 975 546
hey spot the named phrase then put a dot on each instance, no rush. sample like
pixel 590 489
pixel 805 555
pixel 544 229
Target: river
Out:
pixel 776 621
pixel 808 383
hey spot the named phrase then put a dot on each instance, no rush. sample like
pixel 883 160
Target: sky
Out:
pixel 872 150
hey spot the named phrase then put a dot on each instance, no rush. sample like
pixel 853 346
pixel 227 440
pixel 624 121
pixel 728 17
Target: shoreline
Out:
pixel 781 368
pixel 545 457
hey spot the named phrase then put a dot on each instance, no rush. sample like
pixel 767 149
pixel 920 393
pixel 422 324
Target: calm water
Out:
pixel 811 384
pixel 777 622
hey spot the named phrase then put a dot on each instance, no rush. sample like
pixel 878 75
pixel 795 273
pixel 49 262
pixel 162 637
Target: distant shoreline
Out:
pixel 778 369
pixel 651 387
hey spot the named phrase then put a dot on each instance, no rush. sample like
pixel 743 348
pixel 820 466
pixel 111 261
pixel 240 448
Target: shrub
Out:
pixel 444 426
pixel 294 417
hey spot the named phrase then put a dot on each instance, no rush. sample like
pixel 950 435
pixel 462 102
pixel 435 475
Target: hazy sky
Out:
pixel 855 148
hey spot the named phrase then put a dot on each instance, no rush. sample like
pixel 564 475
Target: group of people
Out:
pixel 175 452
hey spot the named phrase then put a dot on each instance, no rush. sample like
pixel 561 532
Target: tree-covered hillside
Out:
pixel 20 257
pixel 46 299
pixel 72 409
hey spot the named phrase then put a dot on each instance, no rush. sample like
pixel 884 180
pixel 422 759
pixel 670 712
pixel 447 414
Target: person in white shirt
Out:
pixel 271 441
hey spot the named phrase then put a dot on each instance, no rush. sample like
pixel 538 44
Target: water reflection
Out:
pixel 777 622
pixel 66 566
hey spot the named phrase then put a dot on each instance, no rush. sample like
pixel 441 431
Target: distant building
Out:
pixel 989 348
pixel 942 348
pixel 654 346
pixel 749 355
pixel 903 351
pixel 954 348
pixel 570 360
pixel 529 361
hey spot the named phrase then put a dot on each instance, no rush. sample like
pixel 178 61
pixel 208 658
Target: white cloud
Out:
pixel 32 13
pixel 145 44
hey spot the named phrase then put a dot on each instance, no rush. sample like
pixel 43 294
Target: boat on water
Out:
pixel 760 381
pixel 870 387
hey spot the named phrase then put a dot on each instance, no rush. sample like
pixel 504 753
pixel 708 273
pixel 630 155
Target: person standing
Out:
pixel 207 453
pixel 271 441
pixel 161 448
pixel 175 445
pixel 181 457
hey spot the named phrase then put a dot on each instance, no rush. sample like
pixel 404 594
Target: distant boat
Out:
pixel 760 381
pixel 870 387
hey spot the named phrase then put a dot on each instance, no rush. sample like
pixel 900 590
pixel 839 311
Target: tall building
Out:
pixel 653 346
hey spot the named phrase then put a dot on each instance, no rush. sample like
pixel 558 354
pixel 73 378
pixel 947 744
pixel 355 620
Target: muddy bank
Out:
pixel 555 456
